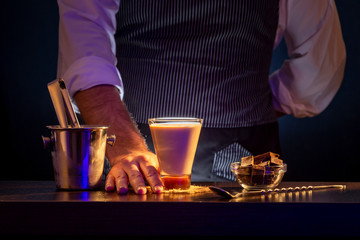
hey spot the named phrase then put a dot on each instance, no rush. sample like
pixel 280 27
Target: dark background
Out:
pixel 322 148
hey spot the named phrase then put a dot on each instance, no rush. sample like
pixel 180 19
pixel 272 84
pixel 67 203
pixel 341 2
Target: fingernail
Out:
pixel 109 188
pixel 122 190
pixel 141 190
pixel 158 189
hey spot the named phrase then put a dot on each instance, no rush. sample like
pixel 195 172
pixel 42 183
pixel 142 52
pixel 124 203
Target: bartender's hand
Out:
pixel 134 168
pixel 130 160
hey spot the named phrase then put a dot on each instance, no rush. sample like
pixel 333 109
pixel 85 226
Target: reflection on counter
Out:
pixel 195 193
pixel 206 195
pixel 46 191
pixel 299 196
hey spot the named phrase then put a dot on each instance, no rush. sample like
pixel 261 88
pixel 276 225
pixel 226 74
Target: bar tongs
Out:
pixel 62 104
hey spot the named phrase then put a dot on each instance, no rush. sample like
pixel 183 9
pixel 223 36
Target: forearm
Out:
pixel 101 105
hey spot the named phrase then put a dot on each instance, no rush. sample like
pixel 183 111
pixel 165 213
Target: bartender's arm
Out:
pixel 308 81
pixel 130 159
pixel 87 63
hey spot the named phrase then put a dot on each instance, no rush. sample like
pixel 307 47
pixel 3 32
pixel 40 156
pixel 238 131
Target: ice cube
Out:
pixel 257 175
pixel 266 163
pixel 265 157
pixel 276 161
pixel 247 161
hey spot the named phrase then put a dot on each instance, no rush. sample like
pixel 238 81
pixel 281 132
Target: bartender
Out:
pixel 127 61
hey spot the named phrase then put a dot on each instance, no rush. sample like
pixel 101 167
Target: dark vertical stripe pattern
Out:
pixel 191 58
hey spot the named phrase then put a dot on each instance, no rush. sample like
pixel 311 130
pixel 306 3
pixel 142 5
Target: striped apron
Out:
pixel 208 59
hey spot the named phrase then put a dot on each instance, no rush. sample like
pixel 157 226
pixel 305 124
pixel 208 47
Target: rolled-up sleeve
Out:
pixel 308 81
pixel 87 50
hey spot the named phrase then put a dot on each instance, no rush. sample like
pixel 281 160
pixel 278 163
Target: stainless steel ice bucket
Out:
pixel 78 155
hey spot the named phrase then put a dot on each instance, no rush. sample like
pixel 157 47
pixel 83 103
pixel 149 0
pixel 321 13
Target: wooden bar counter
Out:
pixel 36 208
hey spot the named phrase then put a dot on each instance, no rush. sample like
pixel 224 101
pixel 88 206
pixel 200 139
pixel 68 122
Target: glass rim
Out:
pixel 174 119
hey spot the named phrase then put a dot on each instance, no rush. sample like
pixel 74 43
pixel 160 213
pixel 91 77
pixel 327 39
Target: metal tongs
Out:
pixel 62 104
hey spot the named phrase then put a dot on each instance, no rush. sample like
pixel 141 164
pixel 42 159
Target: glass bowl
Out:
pixel 254 178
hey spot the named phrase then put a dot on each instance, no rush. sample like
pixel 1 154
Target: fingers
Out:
pixel 152 176
pixel 122 183
pixel 134 170
pixel 136 179
pixel 109 183
pixel 117 179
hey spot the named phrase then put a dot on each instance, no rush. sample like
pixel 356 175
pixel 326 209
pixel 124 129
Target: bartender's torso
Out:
pixel 208 59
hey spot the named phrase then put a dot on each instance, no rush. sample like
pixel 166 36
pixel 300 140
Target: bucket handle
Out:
pixel 109 140
pixel 46 141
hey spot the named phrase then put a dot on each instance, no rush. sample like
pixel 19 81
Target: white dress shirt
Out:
pixel 308 81
pixel 303 86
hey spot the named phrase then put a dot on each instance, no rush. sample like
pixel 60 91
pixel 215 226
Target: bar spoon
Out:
pixel 227 194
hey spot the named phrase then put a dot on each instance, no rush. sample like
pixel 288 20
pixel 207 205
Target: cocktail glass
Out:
pixel 175 142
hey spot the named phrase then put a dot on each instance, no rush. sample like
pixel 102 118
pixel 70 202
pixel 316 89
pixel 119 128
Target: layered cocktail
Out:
pixel 175 141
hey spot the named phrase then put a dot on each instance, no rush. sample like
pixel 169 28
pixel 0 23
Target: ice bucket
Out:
pixel 78 155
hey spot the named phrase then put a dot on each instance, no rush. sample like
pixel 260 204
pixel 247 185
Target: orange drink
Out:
pixel 175 141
